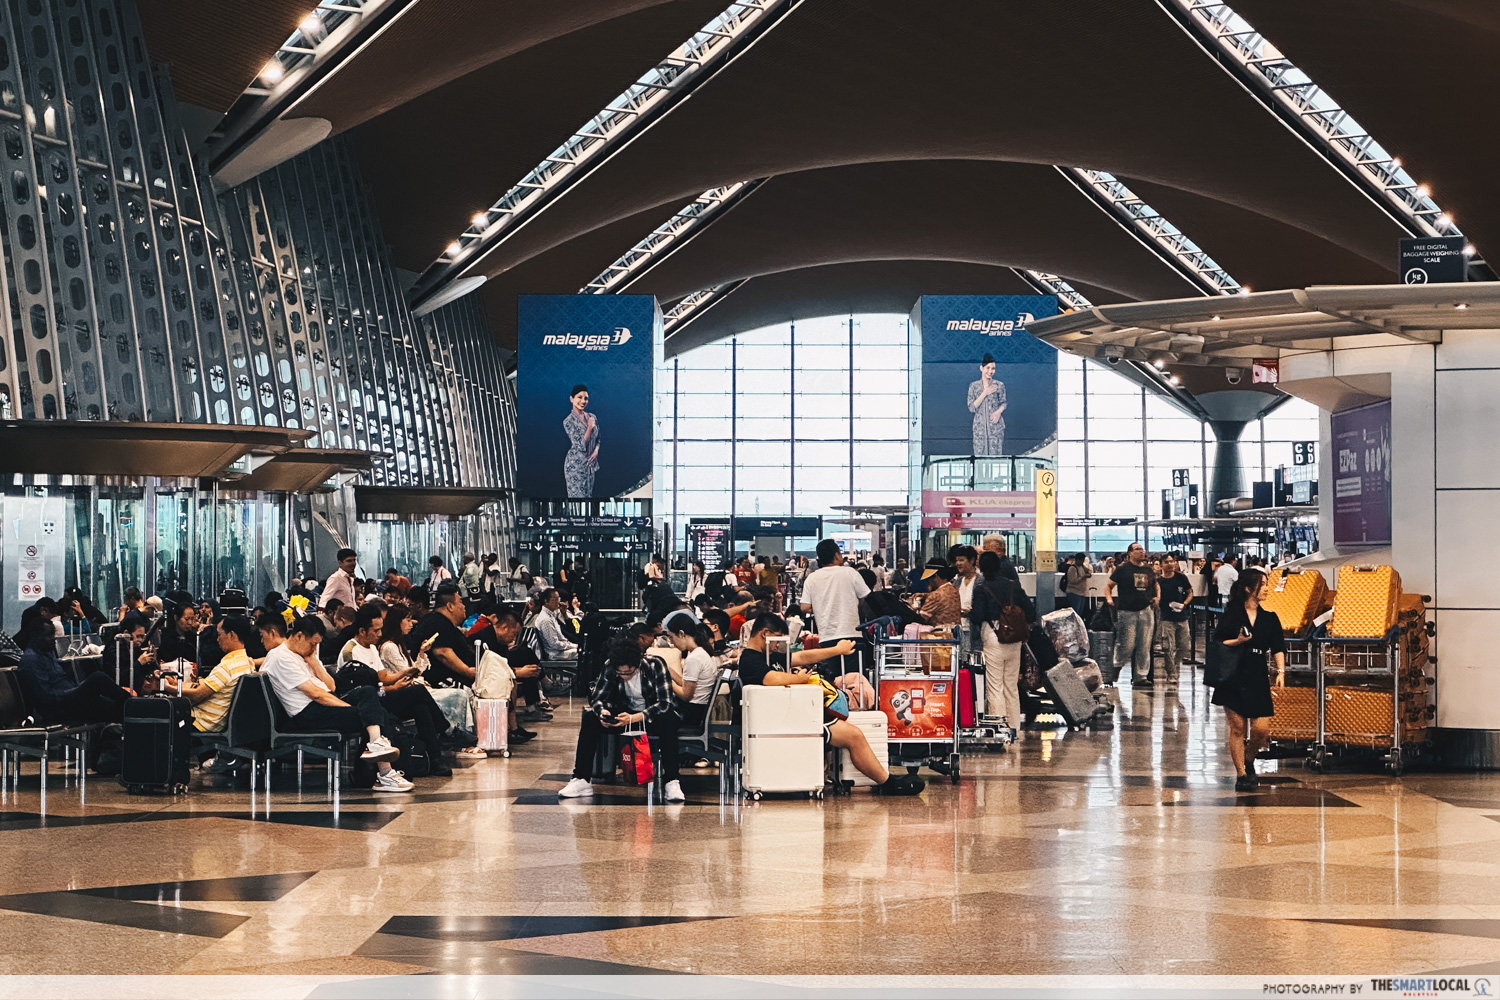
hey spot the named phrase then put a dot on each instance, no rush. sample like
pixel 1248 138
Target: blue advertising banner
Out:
pixel 584 394
pixel 989 388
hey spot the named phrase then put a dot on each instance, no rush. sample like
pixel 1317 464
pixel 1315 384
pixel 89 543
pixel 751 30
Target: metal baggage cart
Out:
pixel 916 685
pixel 1362 671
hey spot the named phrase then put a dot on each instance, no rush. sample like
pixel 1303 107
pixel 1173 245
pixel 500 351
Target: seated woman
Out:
pixel 630 691
pixel 699 667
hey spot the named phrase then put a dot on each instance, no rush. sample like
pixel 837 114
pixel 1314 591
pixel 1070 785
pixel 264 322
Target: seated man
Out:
pixel 754 669
pixel 50 693
pixel 629 691
pixel 360 665
pixel 555 643
pixel 450 654
pixel 340 636
pixel 523 663
pixel 210 695
pixel 305 690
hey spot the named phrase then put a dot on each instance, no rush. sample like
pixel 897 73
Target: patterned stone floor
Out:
pixel 1122 850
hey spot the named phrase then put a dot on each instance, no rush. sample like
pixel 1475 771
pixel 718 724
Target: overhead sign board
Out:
pixel 1432 260
pixel 791 527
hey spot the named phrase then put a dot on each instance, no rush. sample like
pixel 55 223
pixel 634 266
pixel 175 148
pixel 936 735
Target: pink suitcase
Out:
pixel 492 724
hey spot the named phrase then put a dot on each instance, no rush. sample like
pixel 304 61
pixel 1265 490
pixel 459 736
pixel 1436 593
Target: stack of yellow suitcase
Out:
pixel 1297 597
pixel 1368 606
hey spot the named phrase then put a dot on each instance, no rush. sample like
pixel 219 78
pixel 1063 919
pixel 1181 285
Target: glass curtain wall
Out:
pixel 798 418
pixel 792 419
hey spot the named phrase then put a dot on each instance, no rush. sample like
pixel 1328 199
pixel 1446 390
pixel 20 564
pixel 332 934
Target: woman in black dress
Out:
pixel 1246 695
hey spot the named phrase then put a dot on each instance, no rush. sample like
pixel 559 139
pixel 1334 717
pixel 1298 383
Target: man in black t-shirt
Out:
pixel 754 668
pixel 451 656
pixel 1176 593
pixel 1132 591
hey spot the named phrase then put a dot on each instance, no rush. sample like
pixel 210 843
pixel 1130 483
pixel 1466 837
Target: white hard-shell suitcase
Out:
pixel 492 724
pixel 876 728
pixel 783 729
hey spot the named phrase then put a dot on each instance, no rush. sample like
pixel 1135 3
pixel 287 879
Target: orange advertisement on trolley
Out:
pixel 917 707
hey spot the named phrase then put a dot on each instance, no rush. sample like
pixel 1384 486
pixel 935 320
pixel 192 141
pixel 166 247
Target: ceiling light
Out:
pixel 272 72
pixel 481 220
pixel 454 248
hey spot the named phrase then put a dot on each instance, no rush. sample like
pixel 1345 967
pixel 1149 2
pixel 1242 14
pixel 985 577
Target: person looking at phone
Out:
pixel 1246 695
pixel 1176 595
pixel 756 668
pixel 450 653
pixel 631 691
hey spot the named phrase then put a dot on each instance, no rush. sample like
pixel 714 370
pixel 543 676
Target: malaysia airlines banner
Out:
pixel 989 389
pixel 584 394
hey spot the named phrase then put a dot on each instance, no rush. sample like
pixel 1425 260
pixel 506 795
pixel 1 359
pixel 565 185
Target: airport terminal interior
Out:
pixel 770 498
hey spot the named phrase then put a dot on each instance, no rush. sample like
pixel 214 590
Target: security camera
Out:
pixel 1232 375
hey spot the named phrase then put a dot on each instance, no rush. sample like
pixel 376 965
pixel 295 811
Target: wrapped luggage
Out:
pixel 1068 634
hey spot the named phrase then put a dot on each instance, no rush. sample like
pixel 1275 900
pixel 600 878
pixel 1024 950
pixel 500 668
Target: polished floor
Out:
pixel 1122 850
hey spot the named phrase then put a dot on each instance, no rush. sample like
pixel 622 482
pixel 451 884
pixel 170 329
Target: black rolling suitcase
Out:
pixel 158 733
pixel 1070 697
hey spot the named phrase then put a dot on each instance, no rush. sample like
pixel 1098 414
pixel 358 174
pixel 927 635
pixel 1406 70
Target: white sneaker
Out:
pixel 392 781
pixel 380 749
pixel 576 789
pixel 673 792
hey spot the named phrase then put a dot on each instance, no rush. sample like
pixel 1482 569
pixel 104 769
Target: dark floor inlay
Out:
pixel 1466 927
pixel 510 928
pixel 245 888
pixel 123 913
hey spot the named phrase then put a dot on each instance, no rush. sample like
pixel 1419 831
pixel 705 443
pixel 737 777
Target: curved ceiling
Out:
pixel 435 44
pixel 904 143
pixel 872 286
pixel 1421 75
pixel 448 153
pixel 842 83
pixel 215 50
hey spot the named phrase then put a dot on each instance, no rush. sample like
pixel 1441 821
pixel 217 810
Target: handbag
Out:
pixel 635 758
pixel 835 701
pixel 1220 663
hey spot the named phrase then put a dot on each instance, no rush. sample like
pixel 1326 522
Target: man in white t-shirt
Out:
pixel 832 593
pixel 1224 578
pixel 305 690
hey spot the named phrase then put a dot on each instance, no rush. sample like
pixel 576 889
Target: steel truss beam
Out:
pixel 644 103
pixel 1312 113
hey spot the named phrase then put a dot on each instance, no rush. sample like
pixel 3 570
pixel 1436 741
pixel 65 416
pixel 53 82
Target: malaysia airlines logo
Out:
pixel 993 327
pixel 588 342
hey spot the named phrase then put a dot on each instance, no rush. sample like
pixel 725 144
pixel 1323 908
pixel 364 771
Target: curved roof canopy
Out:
pixel 897 148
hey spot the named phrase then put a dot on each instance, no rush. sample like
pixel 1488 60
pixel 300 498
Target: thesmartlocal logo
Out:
pixel 588 342
pixel 993 327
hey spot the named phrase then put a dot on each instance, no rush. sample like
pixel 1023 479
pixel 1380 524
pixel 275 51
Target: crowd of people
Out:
pixel 394 663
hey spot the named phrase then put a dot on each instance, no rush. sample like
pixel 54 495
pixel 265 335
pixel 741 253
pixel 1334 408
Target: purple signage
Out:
pixel 1362 477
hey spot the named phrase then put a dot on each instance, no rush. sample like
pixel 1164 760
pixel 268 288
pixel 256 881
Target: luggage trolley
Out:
pixel 1371 696
pixel 916 686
